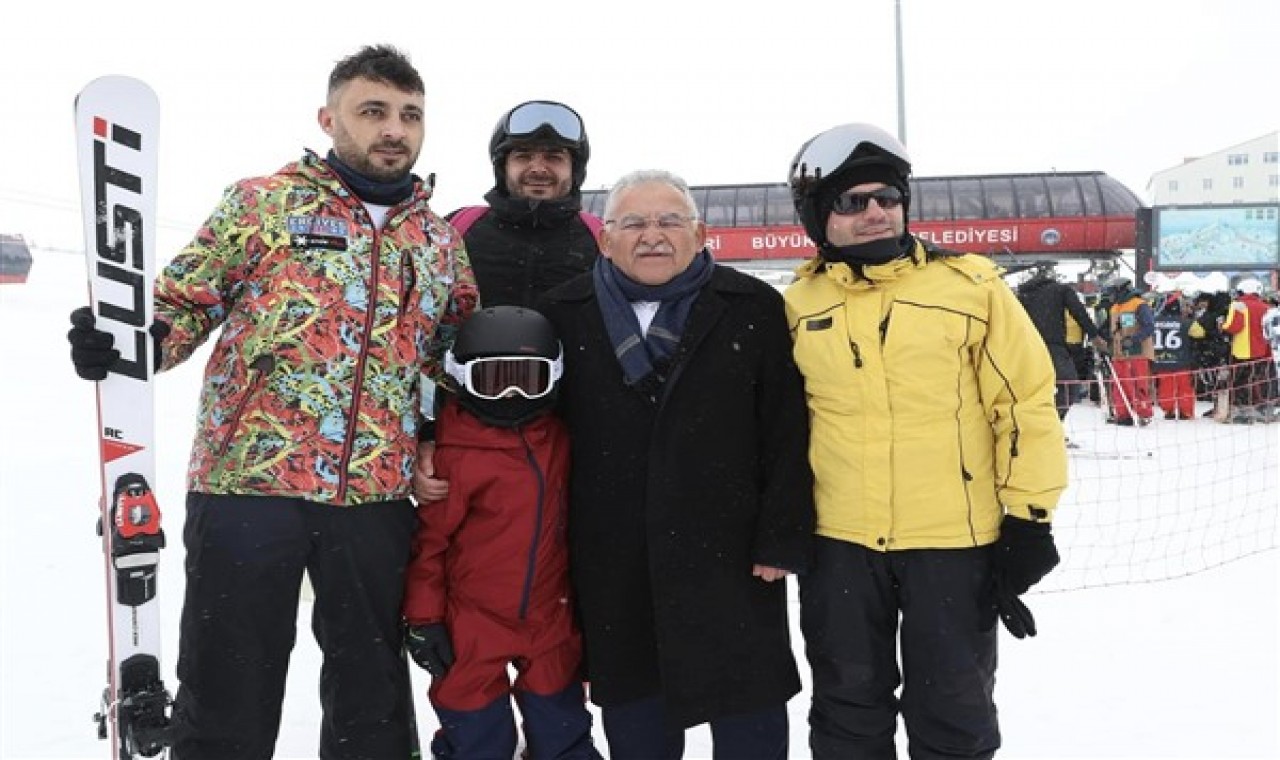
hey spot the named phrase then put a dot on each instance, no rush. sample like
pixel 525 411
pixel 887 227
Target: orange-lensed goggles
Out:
pixel 497 377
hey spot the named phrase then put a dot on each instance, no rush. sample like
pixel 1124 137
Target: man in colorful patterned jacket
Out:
pixel 335 285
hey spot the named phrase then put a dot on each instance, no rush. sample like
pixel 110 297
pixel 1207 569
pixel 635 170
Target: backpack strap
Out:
pixel 592 221
pixel 463 218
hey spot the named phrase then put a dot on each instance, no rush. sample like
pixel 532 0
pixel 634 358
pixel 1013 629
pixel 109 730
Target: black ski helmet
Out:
pixel 503 331
pixel 541 121
pixel 835 160
pixel 1118 286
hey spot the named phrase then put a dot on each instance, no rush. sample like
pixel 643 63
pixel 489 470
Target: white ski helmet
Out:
pixel 1250 286
pixel 832 161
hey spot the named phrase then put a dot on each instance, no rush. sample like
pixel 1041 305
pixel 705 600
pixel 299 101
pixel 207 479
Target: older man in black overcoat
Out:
pixel 691 494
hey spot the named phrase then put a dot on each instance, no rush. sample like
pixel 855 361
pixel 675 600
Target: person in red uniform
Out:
pixel 1252 372
pixel 488 584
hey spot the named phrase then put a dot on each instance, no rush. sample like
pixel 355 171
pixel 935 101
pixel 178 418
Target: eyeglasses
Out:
pixel 492 378
pixel 850 203
pixel 528 119
pixel 668 222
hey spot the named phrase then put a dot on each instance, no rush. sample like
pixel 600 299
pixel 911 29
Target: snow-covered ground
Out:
pixel 1125 666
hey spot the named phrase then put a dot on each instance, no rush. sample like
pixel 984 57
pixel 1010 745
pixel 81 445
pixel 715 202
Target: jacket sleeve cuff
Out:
pixel 1031 513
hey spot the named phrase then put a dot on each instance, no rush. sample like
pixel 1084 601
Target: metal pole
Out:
pixel 902 102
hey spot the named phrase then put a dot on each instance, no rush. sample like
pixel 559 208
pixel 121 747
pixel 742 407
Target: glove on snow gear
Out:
pixel 93 351
pixel 1015 615
pixel 1024 554
pixel 429 646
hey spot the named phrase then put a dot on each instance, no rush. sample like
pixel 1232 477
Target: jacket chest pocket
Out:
pixel 921 341
pixel 824 347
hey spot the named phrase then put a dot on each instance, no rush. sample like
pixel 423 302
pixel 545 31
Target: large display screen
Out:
pixel 1241 236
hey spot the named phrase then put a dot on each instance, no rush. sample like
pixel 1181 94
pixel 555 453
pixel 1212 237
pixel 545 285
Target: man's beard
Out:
pixel 362 163
pixel 377 170
pixel 553 189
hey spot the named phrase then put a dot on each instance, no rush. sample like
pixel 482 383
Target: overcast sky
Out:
pixel 717 92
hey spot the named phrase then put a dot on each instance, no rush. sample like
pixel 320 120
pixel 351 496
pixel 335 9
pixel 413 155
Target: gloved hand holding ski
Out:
pixel 93 351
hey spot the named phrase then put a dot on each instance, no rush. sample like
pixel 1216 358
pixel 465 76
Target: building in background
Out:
pixel 1244 173
pixel 1217 214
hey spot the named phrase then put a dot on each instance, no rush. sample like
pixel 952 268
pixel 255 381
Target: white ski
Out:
pixel 117 122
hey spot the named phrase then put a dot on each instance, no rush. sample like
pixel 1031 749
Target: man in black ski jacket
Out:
pixel 533 235
pixel 1050 303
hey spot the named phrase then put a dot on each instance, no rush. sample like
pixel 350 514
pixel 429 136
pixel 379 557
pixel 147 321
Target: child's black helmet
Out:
pixel 505 362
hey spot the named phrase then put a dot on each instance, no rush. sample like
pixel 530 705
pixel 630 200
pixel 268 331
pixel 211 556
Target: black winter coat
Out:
pixel 521 249
pixel 1048 302
pixel 676 491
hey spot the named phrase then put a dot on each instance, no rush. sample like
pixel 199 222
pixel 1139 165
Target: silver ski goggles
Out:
pixel 529 119
pixel 496 377
pixel 824 155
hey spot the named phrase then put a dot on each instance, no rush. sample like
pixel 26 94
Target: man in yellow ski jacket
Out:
pixel 938 459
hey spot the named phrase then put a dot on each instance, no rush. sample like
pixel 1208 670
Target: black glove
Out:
pixel 429 646
pixel 1022 556
pixel 93 351
pixel 1013 613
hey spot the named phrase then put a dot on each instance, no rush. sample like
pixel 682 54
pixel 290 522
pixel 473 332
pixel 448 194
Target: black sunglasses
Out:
pixel 847 204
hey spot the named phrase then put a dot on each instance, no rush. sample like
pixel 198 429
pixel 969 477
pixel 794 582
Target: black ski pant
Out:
pixel 851 604
pixel 244 564
pixel 1082 360
pixel 640 730
pixel 1064 370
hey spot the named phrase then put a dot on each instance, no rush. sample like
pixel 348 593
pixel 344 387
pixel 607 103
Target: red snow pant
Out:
pixel 473 699
pixel 545 648
pixel 1175 393
pixel 1132 384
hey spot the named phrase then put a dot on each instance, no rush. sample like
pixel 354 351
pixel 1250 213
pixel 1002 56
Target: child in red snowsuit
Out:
pixel 488 585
